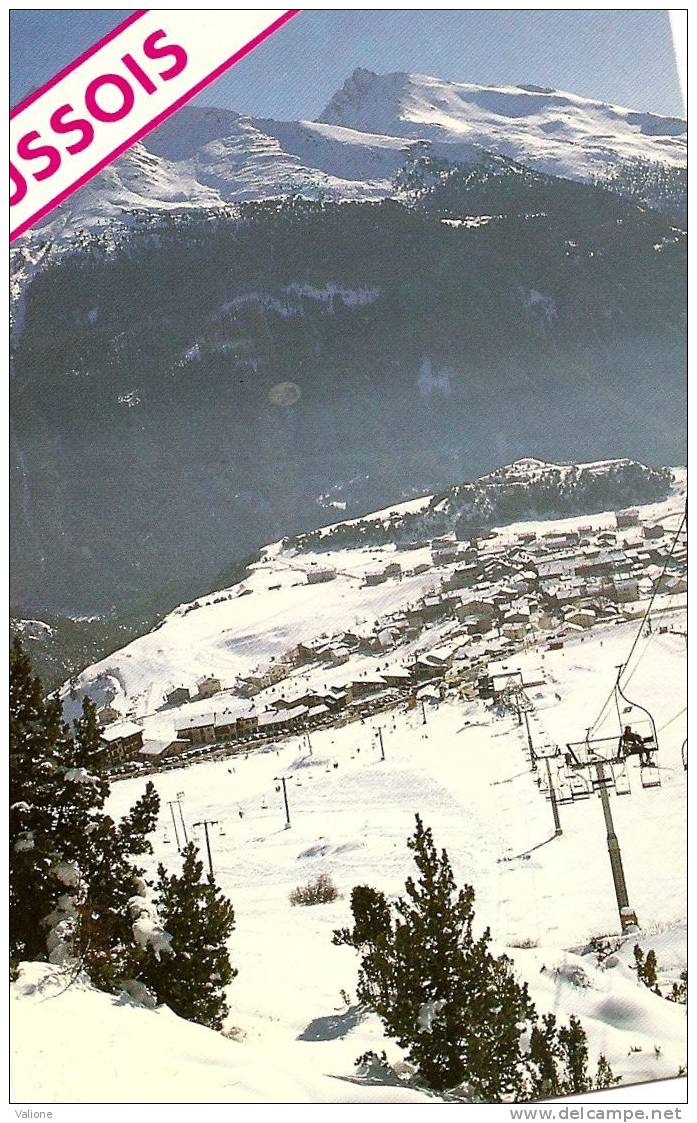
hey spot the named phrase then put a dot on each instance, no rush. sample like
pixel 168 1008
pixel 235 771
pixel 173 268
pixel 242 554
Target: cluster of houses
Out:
pixel 490 598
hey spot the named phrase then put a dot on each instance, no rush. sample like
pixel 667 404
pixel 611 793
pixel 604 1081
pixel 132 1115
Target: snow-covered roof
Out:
pixel 120 729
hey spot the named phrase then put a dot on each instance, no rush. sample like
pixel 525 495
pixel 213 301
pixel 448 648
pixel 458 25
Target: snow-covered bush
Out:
pixel 319 891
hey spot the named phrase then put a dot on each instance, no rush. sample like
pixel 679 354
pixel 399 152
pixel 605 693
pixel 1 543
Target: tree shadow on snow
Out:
pixel 331 1027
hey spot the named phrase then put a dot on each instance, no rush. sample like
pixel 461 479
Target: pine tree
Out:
pixel 678 991
pixel 455 1008
pixel 72 870
pixel 105 941
pixel 557 1061
pixel 646 967
pixel 33 765
pixel 199 920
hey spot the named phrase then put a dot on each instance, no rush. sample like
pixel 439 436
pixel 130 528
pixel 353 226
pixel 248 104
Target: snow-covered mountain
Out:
pixel 207 157
pixel 547 129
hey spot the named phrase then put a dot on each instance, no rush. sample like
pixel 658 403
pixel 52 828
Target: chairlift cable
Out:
pixel 672 719
pixel 642 622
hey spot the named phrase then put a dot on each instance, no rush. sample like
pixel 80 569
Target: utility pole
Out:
pixel 180 796
pixel 171 804
pixel 533 761
pixel 282 781
pixel 206 823
pixel 553 800
pixel 309 743
pixel 423 711
pixel 627 915
pixel 382 746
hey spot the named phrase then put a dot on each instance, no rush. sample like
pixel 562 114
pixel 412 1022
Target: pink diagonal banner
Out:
pixel 115 93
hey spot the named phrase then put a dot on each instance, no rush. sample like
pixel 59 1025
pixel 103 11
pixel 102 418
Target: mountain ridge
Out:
pixel 212 157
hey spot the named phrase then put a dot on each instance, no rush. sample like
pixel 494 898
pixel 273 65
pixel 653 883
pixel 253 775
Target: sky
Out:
pixel 621 56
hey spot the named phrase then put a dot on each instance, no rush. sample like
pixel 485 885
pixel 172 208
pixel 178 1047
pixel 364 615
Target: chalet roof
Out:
pixel 120 729
pixel 199 721
pixel 318 711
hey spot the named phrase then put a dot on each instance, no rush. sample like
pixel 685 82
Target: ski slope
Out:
pixel 466 771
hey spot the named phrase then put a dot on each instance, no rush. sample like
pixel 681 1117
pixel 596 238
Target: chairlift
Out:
pixel 683 754
pixel 166 839
pixel 650 775
pixel 644 727
pixel 221 832
pixel 621 775
pixel 580 787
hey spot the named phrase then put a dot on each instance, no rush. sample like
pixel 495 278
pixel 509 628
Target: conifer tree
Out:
pixel 33 766
pixel 105 941
pixel 71 866
pixel 557 1061
pixel 646 967
pixel 199 921
pixel 454 1007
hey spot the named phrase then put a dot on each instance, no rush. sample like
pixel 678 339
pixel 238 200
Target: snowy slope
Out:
pixel 236 631
pixel 551 130
pixel 466 771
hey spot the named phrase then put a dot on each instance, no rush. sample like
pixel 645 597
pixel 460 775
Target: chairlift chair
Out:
pixel 580 787
pixel 565 794
pixel 621 774
pixel 650 775
pixel 643 724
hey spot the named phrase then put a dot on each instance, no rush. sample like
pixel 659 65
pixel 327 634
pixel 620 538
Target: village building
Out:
pixel 375 577
pixel 272 721
pixel 155 751
pixel 563 565
pixel 582 617
pixel 209 686
pixel 625 589
pixel 562 592
pixel 630 517
pixel 364 687
pixel 425 668
pixel 444 550
pixel 108 714
pixel 397 677
pixel 320 575
pixel 178 696
pixel 653 531
pixel 336 698
pixel 464 577
pixel 199 730
pixel 118 742
pixel 302 654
